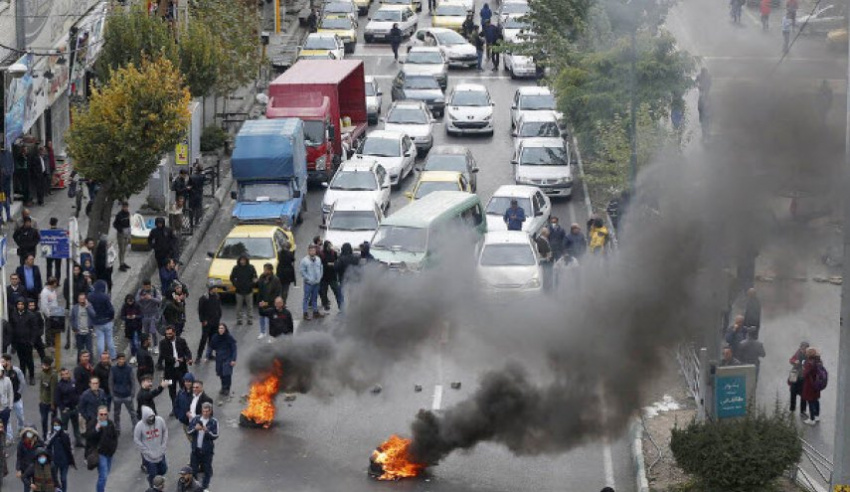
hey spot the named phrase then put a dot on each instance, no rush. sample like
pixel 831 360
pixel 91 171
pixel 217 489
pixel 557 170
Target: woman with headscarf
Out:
pixel 225 357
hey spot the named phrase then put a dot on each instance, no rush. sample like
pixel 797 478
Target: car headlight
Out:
pixel 533 283
pixel 452 117
pixel 488 117
pixel 326 209
pixel 320 163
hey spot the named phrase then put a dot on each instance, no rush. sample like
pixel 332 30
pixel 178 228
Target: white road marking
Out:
pixel 295 325
pixel 608 465
pixel 438 397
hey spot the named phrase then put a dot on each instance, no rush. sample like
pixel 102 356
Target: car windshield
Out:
pixel 370 90
pixel 252 247
pixel 515 8
pixel 539 129
pixel 353 220
pixel 537 101
pixel 424 58
pixel 544 156
pixel 407 116
pixel 339 7
pixel 499 204
pixel 381 147
pixel 515 23
pixel 387 15
pixel 446 162
pixel 449 38
pixel 314 132
pixel 320 43
pixel 354 181
pixel 265 192
pixel 428 187
pixel 453 10
pixel 336 23
pixel 421 83
pixel 397 238
pixel 507 255
pixel 470 98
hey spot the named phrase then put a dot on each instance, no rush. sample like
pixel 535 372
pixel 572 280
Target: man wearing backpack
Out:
pixel 815 378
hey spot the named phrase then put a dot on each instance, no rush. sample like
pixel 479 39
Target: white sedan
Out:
pixel 508 262
pixel 381 22
pixel 357 179
pixel 353 221
pixel 414 119
pixel 394 151
pixel 530 199
pixel 457 49
pixel 469 109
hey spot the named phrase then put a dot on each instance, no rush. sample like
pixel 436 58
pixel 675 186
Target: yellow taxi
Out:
pixel 431 181
pixel 449 15
pixel 344 28
pixel 837 39
pixel 259 242
pixel 322 44
pixel 415 5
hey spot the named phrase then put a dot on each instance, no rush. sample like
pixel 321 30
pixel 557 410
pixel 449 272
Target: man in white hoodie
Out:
pixel 151 438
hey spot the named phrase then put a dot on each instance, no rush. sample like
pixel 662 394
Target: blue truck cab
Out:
pixel 269 164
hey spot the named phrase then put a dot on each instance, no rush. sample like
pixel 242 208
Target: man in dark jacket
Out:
pixel 103 371
pixel 345 261
pixel 103 317
pixel 557 236
pixel 23 328
pixel 752 312
pixel 122 230
pixel 47 381
pixel 575 243
pixel 198 398
pixel 280 319
pixel 180 185
pixel 285 270
pixel 174 360
pixel 163 241
pixel 66 399
pixel 751 351
pixel 209 314
pixel 184 399
pixel 144 360
pixel 30 276
pixel 395 40
pixel 101 435
pixel 83 372
pixel 196 195
pixel 90 400
pixel 203 431
pixel 147 393
pixel 39 167
pixel 268 289
pixel 27 239
pixel 14 291
pixel 28 448
pixel 329 277
pixel 122 387
pixel 243 277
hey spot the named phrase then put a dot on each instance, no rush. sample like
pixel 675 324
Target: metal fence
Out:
pixel 693 363
pixel 814 471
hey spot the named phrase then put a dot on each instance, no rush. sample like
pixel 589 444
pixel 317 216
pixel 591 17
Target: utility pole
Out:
pixel 841 455
pixel 20 25
pixel 633 131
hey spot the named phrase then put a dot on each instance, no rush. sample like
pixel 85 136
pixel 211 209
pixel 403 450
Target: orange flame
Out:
pixel 261 409
pixel 394 457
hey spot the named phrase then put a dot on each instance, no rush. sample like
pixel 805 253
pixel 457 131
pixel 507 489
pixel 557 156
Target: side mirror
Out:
pixel 233 195
pixel 539 213
pixel 296 194
pixel 210 254
pixel 409 153
pixel 331 132
pixel 409 194
pixel 475 170
pixel 323 227
pixel 418 169
pixel 514 162
pixel 513 106
pixel 382 119
pixel 514 133
pixel 379 93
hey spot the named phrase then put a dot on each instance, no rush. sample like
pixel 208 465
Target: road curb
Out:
pixel 636 433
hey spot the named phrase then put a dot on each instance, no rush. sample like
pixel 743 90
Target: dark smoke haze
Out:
pixel 614 334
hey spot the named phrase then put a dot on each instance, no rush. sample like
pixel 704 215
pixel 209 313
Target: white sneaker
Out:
pixel 132 361
pixel 156 351
pixel 270 340
pixel 261 336
pixel 817 419
pixel 811 422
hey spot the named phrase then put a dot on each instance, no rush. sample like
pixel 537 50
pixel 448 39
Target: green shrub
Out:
pixel 212 138
pixel 741 455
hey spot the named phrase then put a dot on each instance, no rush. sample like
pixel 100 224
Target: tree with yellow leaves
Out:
pixel 128 126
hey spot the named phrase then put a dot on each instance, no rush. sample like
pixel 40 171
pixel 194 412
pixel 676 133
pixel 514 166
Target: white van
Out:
pixel 545 163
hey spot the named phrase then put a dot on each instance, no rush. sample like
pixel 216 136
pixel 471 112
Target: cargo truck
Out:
pixel 269 165
pixel 329 96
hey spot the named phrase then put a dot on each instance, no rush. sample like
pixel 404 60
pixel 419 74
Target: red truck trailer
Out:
pixel 323 93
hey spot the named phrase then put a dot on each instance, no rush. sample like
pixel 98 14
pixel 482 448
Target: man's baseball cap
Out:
pixel 186 470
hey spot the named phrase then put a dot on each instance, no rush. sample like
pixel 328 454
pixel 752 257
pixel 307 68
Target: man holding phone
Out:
pixel 175 357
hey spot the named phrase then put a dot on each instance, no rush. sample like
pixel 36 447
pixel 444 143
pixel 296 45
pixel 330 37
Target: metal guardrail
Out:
pixel 692 364
pixel 812 460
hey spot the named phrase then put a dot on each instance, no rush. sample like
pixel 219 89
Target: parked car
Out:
pixel 374 100
pixel 453 158
pixel 470 110
pixel 392 150
pixel 545 163
pixel 414 119
pixel 423 88
pixel 431 181
pixel 508 262
pixel 358 179
pixel 381 22
pixel 352 220
pixel 427 60
pixel 457 49
pixel 530 199
pixel 321 44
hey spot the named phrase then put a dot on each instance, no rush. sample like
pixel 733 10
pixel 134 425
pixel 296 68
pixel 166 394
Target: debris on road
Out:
pixel 289 396
pixel 377 389
pixel 456 385
pixel 417 388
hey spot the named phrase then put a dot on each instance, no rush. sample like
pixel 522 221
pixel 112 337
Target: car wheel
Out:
pixel 368 39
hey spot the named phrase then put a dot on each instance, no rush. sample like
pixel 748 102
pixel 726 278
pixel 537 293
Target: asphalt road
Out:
pixel 324 444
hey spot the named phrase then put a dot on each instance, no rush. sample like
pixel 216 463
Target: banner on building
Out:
pixel 17 101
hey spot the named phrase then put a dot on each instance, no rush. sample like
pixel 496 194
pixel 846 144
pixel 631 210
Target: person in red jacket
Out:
pixel 811 393
pixel 765 13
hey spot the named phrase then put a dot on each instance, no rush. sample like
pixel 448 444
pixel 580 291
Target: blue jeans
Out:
pixel 18 407
pixel 104 464
pixel 83 342
pixel 62 471
pixel 155 469
pixel 104 336
pixel 264 324
pixel 311 297
pixel 480 58
pixel 134 344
